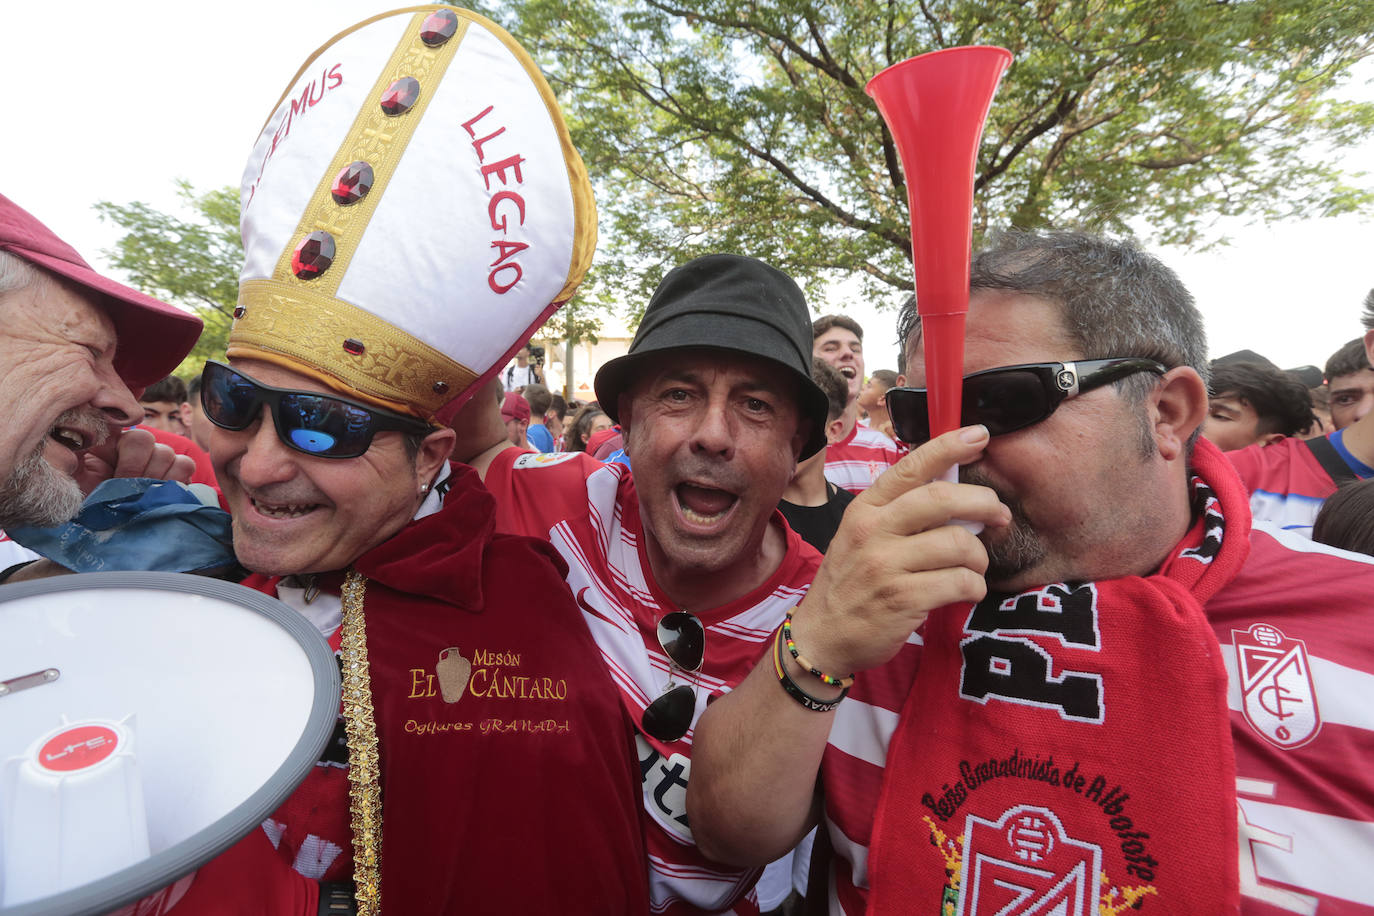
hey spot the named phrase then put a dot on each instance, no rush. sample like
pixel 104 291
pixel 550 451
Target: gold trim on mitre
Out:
pixel 298 322
pixel 308 329
pixel 584 201
pixel 378 139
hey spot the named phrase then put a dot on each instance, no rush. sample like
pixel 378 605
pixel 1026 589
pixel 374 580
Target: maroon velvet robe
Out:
pixel 507 767
pixel 520 794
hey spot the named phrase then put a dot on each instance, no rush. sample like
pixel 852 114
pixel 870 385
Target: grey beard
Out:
pixel 38 494
pixel 1018 548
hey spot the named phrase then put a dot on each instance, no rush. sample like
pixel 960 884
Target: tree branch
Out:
pixel 829 68
pixel 845 217
pixel 1066 104
pixel 934 24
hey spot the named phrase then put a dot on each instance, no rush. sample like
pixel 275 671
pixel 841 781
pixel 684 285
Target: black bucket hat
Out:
pixel 725 302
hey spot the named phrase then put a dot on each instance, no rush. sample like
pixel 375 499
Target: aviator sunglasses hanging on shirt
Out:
pixel 323 425
pixel 683 640
pixel 1013 397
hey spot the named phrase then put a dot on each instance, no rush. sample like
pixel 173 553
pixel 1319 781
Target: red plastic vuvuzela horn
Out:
pixel 935 106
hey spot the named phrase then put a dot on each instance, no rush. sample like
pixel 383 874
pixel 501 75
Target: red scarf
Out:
pixel 1068 750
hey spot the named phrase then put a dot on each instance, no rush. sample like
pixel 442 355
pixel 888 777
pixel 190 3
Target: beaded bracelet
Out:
pixel 794 691
pixel 845 682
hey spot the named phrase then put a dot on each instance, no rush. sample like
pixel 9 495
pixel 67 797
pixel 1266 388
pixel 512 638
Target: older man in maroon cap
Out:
pixel 72 345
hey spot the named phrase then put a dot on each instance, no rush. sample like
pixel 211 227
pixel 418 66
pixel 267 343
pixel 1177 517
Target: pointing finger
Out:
pixel 927 463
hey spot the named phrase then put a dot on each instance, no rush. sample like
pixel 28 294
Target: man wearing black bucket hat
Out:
pixel 685 569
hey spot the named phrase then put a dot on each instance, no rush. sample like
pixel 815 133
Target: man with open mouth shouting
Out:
pixel 72 345
pixel 685 569
pixel 859 454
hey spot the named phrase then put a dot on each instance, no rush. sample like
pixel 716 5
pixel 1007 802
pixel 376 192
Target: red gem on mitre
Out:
pixel 354 346
pixel 313 255
pixel 352 183
pixel 438 27
pixel 401 96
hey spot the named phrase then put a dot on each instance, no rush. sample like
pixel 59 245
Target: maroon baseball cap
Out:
pixel 515 407
pixel 153 337
pixel 605 442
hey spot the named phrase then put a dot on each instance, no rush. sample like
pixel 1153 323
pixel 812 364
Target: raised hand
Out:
pixel 895 558
pixel 132 453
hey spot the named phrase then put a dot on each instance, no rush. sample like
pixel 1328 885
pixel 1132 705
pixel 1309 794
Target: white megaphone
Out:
pixel 148 721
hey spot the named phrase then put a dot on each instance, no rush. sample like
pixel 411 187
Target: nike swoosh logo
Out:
pixel 583 603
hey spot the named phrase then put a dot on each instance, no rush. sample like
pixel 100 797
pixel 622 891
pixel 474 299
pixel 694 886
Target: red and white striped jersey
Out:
pixel 1296 619
pixel 860 458
pixel 1287 483
pixel 590 513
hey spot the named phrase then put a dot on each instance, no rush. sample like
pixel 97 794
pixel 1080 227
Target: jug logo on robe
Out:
pixel 1280 698
pixel 454 672
pixel 489 673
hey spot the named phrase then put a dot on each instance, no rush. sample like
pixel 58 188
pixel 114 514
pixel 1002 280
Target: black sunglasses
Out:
pixel 323 425
pixel 1013 397
pixel 683 639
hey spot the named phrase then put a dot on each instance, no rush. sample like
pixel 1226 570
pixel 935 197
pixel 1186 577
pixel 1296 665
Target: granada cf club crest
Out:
pixel 1278 697
pixel 1025 865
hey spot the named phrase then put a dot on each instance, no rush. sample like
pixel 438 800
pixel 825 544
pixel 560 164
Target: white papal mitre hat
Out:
pixel 413 209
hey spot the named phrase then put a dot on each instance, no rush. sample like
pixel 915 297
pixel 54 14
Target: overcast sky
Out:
pixel 115 102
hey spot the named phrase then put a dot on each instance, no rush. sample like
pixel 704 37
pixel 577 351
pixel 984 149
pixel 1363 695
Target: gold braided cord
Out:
pixel 364 785
pixel 298 322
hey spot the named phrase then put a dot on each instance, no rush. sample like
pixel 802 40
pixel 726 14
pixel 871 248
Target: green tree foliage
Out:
pixel 578 321
pixel 190 262
pixel 574 323
pixel 743 124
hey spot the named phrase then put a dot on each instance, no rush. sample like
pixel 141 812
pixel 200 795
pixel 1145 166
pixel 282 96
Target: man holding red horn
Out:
pixel 1119 695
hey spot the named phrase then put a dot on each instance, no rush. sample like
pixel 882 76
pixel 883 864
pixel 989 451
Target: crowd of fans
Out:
pixel 696 476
